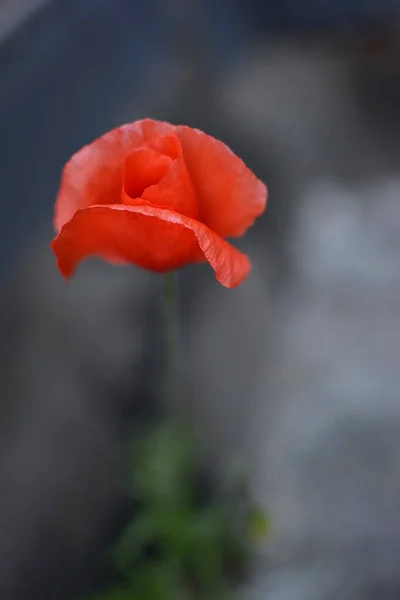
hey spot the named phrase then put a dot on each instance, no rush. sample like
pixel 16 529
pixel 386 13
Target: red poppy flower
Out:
pixel 159 196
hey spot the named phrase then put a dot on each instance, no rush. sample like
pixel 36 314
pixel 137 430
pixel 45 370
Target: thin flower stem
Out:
pixel 171 336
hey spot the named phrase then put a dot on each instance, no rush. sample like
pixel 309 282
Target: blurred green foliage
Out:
pixel 175 547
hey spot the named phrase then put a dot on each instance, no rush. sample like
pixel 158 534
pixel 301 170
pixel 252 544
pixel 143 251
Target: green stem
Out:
pixel 171 335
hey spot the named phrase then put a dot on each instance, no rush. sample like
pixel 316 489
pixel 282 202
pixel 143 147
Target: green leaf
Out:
pixel 259 525
pixel 163 470
pixel 130 546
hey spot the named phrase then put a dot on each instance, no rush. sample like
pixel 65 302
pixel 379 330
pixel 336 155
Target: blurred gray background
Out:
pixel 294 375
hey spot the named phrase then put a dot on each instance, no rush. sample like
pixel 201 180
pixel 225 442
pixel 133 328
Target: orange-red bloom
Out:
pixel 159 196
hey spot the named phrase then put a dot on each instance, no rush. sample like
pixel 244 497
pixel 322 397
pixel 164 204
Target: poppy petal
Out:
pixel 230 196
pixel 93 174
pixel 150 237
pixel 169 145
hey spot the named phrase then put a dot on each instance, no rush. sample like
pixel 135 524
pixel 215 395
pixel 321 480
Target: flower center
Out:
pixel 143 168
